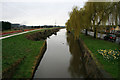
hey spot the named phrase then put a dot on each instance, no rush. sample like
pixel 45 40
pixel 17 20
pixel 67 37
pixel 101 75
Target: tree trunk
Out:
pixel 86 32
pixel 95 32
pixel 94 27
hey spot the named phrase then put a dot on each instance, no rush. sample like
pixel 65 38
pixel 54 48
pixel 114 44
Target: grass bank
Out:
pixel 21 52
pixel 99 49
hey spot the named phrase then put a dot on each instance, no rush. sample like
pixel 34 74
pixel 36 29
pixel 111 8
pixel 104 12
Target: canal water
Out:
pixel 62 59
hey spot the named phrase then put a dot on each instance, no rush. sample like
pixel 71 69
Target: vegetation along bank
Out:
pixel 21 54
pixel 94 16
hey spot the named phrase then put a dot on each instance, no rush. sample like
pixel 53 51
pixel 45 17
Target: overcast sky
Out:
pixel 38 12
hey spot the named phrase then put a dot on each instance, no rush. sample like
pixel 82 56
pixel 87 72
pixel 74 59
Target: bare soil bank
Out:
pixel 42 35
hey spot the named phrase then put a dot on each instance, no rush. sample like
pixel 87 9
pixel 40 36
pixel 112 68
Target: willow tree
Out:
pixel 73 24
pixel 100 13
pixel 119 11
pixel 74 21
pixel 91 8
pixel 68 25
pixel 116 12
pixel 93 14
pixel 88 15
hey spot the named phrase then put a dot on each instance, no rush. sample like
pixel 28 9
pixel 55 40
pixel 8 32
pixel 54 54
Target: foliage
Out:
pixel 93 14
pixel 5 25
pixel 17 47
pixel 106 47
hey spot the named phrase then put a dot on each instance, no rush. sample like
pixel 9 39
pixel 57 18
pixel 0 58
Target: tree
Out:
pixel 6 25
pixel 95 14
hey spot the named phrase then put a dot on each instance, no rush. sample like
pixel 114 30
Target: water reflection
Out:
pixel 81 63
pixel 55 33
pixel 66 61
pixel 76 67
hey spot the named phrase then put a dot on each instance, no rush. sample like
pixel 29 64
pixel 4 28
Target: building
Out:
pixel 15 26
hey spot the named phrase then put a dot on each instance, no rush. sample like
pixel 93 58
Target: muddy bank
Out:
pixel 42 35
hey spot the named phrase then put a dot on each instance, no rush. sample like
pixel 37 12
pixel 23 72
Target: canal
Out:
pixel 63 58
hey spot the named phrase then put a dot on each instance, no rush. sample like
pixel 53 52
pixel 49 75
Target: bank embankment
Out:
pixel 42 35
pixel 38 58
pixel 91 63
pixel 98 50
pixel 21 55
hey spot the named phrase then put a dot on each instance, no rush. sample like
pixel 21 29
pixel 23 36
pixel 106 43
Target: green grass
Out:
pixel 96 44
pixel 17 47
